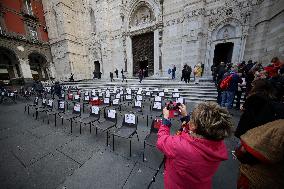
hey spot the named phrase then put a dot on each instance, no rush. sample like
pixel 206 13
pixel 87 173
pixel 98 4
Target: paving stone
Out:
pixel 50 171
pixel 104 170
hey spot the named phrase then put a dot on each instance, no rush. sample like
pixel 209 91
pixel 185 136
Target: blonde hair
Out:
pixel 212 121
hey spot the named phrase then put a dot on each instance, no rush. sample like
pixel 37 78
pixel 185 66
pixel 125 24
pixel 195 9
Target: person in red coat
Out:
pixel 194 155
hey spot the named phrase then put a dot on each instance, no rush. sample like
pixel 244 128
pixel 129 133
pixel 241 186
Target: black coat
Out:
pixel 258 110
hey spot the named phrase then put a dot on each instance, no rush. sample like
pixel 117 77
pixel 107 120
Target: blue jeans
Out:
pixel 227 99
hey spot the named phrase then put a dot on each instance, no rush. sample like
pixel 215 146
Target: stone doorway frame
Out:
pixel 155 27
pixel 239 40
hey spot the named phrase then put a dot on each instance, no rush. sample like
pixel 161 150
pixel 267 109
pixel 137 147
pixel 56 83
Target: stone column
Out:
pixel 129 56
pixel 25 70
pixel 156 53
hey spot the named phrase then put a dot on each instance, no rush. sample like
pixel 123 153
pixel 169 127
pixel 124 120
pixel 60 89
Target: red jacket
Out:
pixel 190 162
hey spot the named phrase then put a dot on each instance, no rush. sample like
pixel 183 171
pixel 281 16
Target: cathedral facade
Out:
pixel 92 36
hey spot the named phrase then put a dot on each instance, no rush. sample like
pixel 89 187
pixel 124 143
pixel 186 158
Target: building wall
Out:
pixel 185 32
pixel 16 36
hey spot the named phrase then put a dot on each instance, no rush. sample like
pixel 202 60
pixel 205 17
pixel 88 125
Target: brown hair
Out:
pixel 212 121
pixel 265 88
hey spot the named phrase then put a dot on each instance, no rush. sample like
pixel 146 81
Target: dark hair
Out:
pixel 275 59
pixel 265 88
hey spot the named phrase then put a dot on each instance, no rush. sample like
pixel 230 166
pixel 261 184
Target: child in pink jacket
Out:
pixel 193 156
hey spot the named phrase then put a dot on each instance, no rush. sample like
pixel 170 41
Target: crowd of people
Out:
pixel 193 155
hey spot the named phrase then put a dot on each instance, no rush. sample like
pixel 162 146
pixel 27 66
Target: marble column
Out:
pixel 25 68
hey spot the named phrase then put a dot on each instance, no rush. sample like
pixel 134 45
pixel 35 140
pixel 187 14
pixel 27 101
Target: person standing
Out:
pixel 57 89
pixel 202 69
pixel 197 72
pixel 193 156
pixel 122 74
pixel 111 76
pixel 116 72
pixel 183 73
pixel 188 74
pixel 140 75
pixel 174 72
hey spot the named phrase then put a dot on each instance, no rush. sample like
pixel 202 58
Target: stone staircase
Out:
pixel 204 91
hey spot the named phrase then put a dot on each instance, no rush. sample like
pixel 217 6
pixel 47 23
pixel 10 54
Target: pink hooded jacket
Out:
pixel 190 162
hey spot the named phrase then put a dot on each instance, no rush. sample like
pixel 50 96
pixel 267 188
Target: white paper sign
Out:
pixel 161 94
pixel 166 90
pixel 4 93
pixel 130 118
pixel 158 98
pixel 138 104
pixel 99 90
pixel 106 100
pixel 12 94
pixel 87 98
pixel 180 100
pixel 157 105
pixel 156 89
pixel 95 110
pixel 139 97
pixel 128 97
pixel 111 113
pixel 147 89
pixel 50 102
pixel 139 92
pixel 115 101
pixel 62 95
pixel 86 93
pixel 128 91
pixel 117 95
pixel 100 94
pixel 77 108
pixel 107 95
pixel 176 95
pixel 76 97
pixel 121 92
pixel 61 105
pixel 43 100
pixel 95 98
pixel 36 99
pixel 175 90
pixel 148 93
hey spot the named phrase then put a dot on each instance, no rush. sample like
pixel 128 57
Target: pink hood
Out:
pixel 191 162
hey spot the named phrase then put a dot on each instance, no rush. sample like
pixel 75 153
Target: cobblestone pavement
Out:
pixel 34 154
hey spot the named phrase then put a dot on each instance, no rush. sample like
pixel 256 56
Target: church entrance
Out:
pixel 143 53
pixel 223 53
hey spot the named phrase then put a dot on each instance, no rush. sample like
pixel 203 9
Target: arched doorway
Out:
pixel 9 65
pixel 223 53
pixel 38 66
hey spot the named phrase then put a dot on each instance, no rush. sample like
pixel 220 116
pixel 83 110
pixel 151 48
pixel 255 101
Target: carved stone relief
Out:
pixel 142 16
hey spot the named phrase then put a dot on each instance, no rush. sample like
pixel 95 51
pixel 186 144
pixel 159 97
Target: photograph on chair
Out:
pixel 111 113
pixel 138 103
pixel 157 105
pixel 95 110
pixel 77 108
pixel 130 118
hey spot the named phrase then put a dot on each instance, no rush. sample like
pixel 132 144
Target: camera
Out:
pixel 173 106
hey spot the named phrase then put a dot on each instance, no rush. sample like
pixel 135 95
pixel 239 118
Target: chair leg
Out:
pixel 80 128
pixel 137 136
pixel 96 130
pixel 61 121
pixel 28 110
pixel 90 127
pixel 112 142
pixel 36 115
pixel 71 125
pixel 107 139
pixel 147 120
pixel 55 120
pixel 144 152
pixel 130 147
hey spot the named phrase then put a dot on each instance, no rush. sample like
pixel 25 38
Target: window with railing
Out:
pixel 28 5
pixel 33 32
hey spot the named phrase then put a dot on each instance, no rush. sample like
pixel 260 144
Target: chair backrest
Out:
pixel 137 104
pixel 162 94
pixel 180 100
pixel 128 97
pixel 43 102
pixel 130 120
pixel 139 97
pixel 158 99
pixel 107 101
pixel 61 105
pixel 62 96
pixel 86 98
pixel 111 115
pixel 77 108
pixel 166 90
pixel 117 96
pixel 95 111
pixel 176 95
pixel 36 100
pixel 148 93
pixel 107 94
pixel 77 97
pixel 115 102
pixel 128 91
pixel 93 93
pixel 157 106
pixel 156 123
pixel 50 104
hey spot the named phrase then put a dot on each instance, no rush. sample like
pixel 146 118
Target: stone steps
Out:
pixel 204 91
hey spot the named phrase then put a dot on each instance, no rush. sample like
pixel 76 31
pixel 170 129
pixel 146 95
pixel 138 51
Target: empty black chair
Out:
pixel 109 122
pixel 76 112
pixel 116 104
pixel 93 117
pixel 61 105
pixel 127 130
pixel 34 104
pixel 151 138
